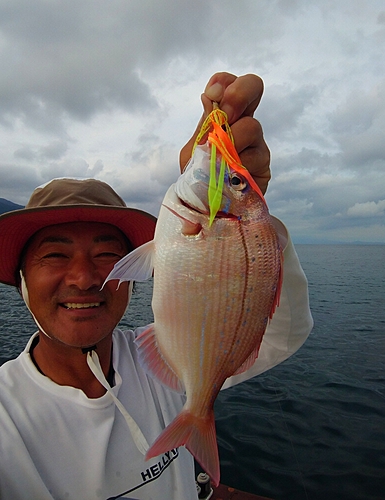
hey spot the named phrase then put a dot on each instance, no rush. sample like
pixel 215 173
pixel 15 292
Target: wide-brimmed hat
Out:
pixel 67 200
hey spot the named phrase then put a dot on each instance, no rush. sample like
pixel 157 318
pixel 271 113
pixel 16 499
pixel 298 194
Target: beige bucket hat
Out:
pixel 67 200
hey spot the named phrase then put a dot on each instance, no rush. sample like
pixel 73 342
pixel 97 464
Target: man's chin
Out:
pixel 80 341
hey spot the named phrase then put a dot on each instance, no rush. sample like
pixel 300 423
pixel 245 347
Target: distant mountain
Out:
pixel 8 206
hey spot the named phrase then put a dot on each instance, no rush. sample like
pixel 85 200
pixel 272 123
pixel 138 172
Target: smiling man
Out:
pixel 63 421
pixel 64 268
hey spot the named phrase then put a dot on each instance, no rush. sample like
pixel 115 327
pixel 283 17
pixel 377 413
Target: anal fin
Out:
pixel 248 363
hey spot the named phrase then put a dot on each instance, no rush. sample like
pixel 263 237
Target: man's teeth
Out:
pixel 76 305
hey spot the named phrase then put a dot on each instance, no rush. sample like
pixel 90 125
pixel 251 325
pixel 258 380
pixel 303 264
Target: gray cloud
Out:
pixel 18 181
pixel 367 209
pixel 25 153
pixel 54 150
pixel 75 59
pixel 72 59
pixel 111 90
pixel 358 125
pixel 283 106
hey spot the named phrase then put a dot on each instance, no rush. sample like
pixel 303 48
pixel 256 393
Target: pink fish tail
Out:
pixel 198 435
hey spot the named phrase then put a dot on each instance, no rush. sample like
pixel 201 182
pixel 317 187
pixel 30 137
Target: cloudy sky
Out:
pixel 111 89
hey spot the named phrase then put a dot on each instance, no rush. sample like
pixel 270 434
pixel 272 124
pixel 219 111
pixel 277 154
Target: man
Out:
pixel 61 435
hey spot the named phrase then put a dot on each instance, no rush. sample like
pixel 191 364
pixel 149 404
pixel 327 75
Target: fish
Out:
pixel 216 285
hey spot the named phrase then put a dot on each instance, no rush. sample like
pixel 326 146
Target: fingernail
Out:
pixel 214 92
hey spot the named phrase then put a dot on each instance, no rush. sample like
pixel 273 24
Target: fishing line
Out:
pixel 292 444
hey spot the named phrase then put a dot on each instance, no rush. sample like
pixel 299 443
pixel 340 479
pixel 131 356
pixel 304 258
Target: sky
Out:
pixel 111 89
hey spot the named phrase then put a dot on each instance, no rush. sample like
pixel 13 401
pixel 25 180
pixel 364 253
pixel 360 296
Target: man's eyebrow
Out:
pixel 123 241
pixel 55 239
pixel 105 238
pixel 102 238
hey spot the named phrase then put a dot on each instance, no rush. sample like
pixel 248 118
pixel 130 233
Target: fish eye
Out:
pixel 237 182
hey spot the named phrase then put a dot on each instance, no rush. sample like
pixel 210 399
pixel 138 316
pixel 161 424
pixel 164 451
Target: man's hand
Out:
pixel 239 98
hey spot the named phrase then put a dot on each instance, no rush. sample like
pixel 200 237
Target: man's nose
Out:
pixel 83 273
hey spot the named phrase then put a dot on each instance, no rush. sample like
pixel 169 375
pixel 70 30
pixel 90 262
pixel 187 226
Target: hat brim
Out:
pixel 17 227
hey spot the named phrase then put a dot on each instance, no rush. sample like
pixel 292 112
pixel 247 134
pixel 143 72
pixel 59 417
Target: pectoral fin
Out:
pixel 136 266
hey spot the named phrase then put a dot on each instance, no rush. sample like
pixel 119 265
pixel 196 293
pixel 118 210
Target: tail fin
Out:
pixel 197 435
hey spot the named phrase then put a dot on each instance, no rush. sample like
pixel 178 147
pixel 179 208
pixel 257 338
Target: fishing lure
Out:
pixel 221 139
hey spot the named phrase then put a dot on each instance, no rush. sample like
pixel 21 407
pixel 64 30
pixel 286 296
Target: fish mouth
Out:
pixel 219 215
pixel 183 202
pixel 192 208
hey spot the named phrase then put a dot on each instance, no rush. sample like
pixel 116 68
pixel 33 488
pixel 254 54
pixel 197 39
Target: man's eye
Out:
pixel 109 255
pixel 54 255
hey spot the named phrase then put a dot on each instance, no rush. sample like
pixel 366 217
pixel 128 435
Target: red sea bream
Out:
pixel 216 284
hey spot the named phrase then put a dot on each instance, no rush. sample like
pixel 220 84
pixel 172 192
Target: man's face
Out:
pixel 65 266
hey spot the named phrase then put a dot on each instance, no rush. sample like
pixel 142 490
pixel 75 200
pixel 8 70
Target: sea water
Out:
pixel 312 428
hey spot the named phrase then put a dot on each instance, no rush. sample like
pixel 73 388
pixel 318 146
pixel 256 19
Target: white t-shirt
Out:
pixel 55 443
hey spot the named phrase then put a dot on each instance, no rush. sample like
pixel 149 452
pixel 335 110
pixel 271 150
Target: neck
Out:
pixel 68 365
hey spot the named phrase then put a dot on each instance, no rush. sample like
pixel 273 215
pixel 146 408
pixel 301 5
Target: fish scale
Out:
pixel 213 254
pixel 201 338
pixel 216 283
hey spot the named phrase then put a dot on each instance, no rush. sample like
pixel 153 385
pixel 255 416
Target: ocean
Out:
pixel 312 428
